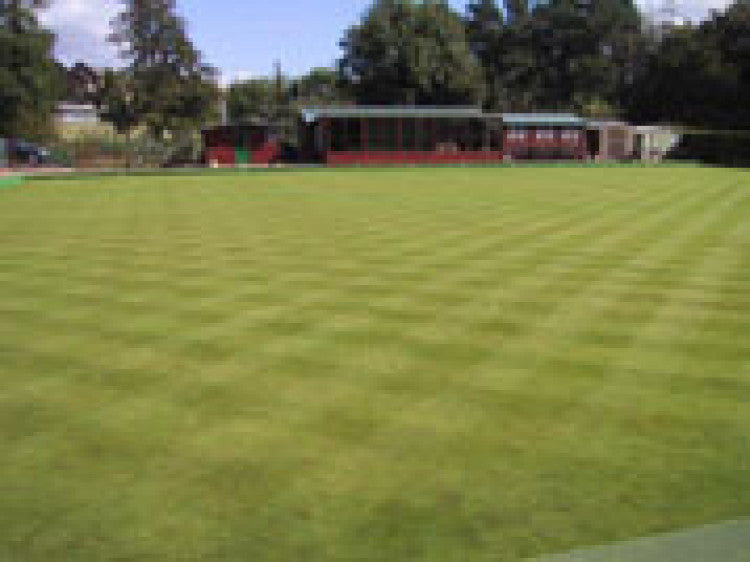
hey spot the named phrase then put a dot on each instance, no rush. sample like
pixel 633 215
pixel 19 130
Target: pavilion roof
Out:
pixel 311 114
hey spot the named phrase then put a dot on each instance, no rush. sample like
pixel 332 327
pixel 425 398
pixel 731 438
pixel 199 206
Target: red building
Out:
pixel 233 145
pixel 544 136
pixel 410 135
pixel 400 135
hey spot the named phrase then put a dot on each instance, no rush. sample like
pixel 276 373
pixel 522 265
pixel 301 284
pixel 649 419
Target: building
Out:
pixel 399 135
pixel 543 136
pixel 358 135
pixel 76 113
pixel 381 135
pixel 610 141
pixel 240 145
pixel 653 143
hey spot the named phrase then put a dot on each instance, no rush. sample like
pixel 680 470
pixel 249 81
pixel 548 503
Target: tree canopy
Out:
pixel 409 51
pixel 699 75
pixel 171 88
pixel 29 77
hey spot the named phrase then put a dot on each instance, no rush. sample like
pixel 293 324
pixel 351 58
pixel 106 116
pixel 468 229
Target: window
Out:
pixel 569 135
pixel 545 134
pixel 517 134
pixel 452 135
pixel 477 134
pixel 496 135
pixel 426 136
pixel 409 134
pixel 383 134
pixel 346 134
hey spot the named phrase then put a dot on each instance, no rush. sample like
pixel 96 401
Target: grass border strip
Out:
pixel 200 171
pixel 7 182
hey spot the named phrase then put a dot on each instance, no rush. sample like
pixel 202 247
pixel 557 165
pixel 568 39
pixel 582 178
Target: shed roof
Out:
pixel 544 119
pixel 311 114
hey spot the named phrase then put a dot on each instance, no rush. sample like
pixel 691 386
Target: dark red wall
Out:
pixel 411 157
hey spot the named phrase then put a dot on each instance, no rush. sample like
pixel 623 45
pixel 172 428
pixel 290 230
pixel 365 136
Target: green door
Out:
pixel 241 155
pixel 3 153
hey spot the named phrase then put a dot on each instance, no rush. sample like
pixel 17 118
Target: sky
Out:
pixel 243 38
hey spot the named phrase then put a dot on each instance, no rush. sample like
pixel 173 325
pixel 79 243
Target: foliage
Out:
pixel 320 86
pixel 170 88
pixel 82 83
pixel 412 52
pixel 699 75
pixel 563 55
pixel 29 77
pixel 278 99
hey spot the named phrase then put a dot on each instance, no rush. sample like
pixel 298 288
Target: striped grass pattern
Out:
pixel 419 364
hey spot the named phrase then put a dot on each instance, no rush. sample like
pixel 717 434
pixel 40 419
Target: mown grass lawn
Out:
pixel 424 364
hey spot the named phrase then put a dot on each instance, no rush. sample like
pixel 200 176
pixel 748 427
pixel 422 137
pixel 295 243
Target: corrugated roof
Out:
pixel 311 114
pixel 543 119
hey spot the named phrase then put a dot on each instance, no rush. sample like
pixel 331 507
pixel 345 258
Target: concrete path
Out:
pixel 721 542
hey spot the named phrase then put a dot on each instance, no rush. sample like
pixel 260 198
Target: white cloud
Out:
pixel 685 9
pixel 82 27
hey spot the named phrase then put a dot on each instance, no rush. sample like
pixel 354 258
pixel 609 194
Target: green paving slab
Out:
pixel 10 181
pixel 722 542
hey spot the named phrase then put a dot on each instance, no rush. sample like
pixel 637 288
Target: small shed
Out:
pixel 543 136
pixel 653 142
pixel 240 145
pixel 611 141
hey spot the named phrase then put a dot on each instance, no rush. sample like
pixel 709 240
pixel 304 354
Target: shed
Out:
pixel 653 142
pixel 239 145
pixel 544 136
pixel 611 141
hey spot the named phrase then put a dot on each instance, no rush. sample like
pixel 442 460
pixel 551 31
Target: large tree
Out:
pixel 411 52
pixel 320 86
pixel 700 75
pixel 484 29
pixel 558 54
pixel 251 100
pixel 29 77
pixel 172 89
pixel 584 52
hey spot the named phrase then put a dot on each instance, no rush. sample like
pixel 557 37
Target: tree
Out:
pixel 250 100
pixel 82 83
pixel 411 52
pixel 484 30
pixel 277 100
pixel 584 51
pixel 172 89
pixel 699 75
pixel 320 86
pixel 117 105
pixel 516 10
pixel 29 76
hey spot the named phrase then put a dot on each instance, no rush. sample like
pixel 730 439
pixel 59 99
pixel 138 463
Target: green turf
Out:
pixel 424 364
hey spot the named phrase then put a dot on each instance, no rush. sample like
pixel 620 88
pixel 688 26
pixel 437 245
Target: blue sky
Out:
pixel 244 37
